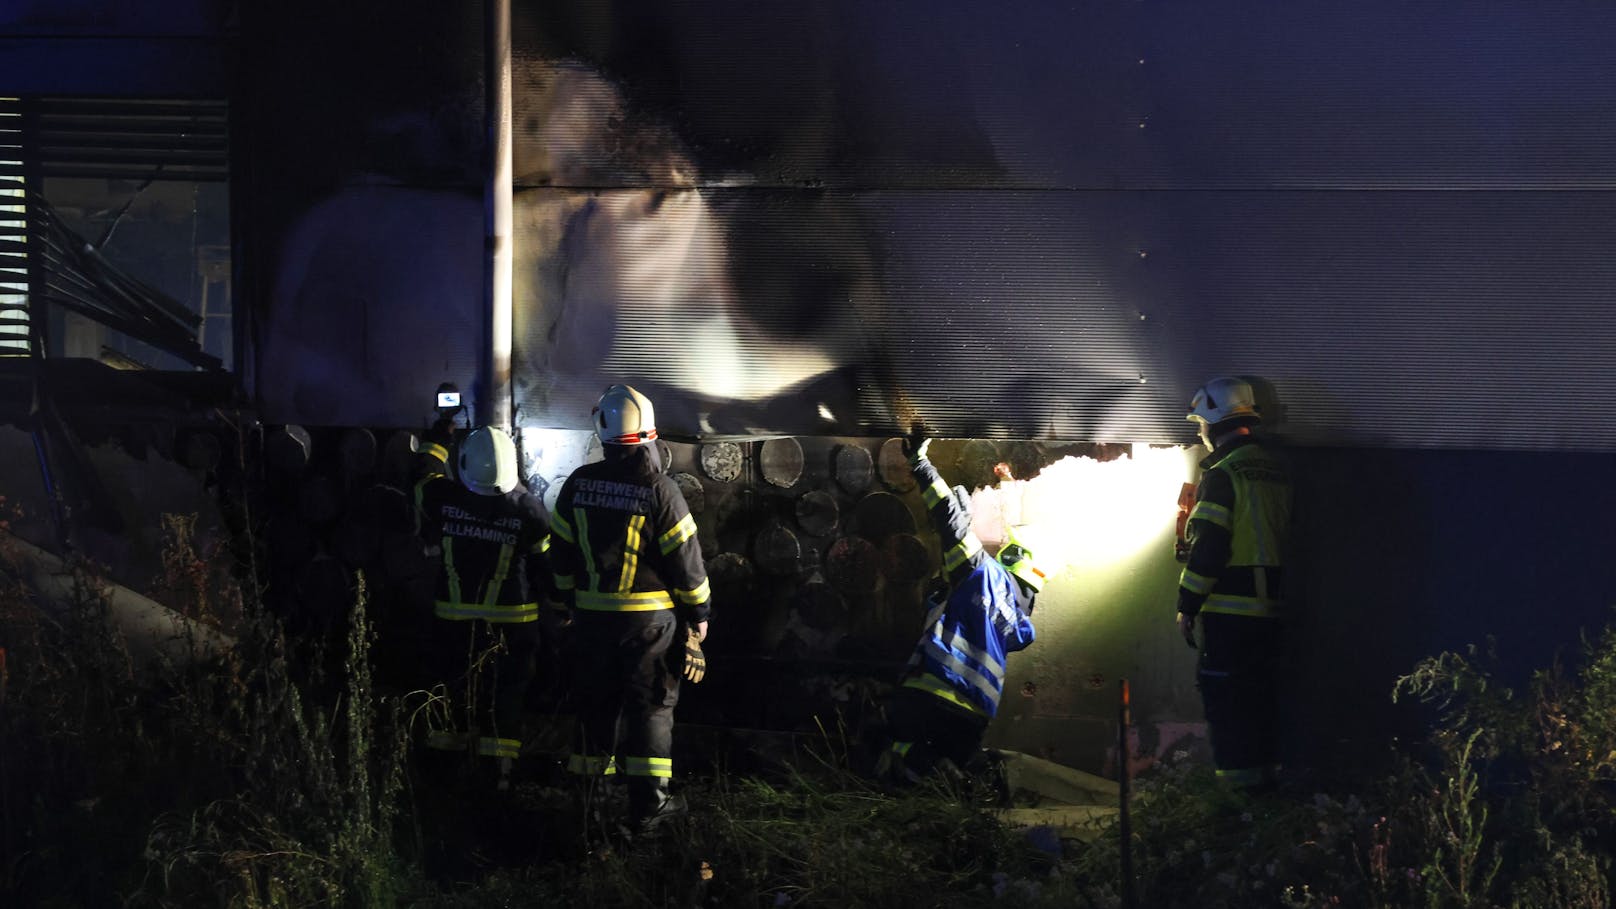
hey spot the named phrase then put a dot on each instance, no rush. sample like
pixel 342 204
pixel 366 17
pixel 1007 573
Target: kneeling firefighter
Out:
pixel 627 560
pixel 977 617
pixel 490 537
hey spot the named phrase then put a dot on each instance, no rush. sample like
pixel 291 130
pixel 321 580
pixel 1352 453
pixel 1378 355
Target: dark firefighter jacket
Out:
pixel 972 631
pixel 624 540
pixel 492 549
pixel 1237 533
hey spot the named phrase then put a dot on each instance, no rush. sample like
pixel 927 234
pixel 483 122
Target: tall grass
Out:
pixel 276 775
pixel 311 800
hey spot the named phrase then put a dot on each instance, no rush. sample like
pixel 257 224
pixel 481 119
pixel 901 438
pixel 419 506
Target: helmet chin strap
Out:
pixel 1026 598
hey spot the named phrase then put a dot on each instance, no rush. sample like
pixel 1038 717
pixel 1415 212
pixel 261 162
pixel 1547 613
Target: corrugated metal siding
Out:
pixel 1387 318
pixel 1042 220
pixel 1055 222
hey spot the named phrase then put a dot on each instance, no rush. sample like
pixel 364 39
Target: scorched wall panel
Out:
pixel 1026 222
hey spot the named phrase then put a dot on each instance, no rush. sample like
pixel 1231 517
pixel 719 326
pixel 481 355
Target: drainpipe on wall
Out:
pixel 493 398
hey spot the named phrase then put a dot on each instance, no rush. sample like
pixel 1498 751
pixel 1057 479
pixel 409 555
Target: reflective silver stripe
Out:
pixel 1195 583
pixel 936 492
pixel 1247 606
pixel 951 660
pixel 934 621
pixel 957 642
pixel 559 526
pixel 1212 513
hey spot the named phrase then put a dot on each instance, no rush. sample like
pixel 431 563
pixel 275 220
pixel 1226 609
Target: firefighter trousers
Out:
pixel 625 692
pixel 925 729
pixel 1238 661
pixel 489 667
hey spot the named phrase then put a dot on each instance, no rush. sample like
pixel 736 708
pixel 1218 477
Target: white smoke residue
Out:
pixel 629 261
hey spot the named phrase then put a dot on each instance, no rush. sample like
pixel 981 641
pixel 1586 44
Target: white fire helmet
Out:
pixel 488 462
pixel 623 416
pixel 1223 398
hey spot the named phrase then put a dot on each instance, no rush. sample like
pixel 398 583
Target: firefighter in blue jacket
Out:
pixel 975 620
pixel 490 537
pixel 1234 580
pixel 627 560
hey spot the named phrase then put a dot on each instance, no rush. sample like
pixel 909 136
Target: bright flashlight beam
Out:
pixel 1083 513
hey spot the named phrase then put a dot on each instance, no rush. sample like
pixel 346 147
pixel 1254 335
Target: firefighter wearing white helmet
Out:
pixel 1233 581
pixel 489 536
pixel 627 559
pixel 977 616
pixel 623 416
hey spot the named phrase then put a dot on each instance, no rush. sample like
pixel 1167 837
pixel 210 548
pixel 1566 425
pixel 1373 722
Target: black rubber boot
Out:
pixel 650 806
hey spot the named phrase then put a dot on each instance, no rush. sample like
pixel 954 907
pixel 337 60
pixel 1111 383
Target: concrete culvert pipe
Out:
pixel 149 629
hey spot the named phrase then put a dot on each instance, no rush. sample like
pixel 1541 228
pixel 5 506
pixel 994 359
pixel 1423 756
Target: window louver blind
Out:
pixel 14 260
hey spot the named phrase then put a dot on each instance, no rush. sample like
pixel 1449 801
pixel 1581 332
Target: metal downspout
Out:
pixel 493 401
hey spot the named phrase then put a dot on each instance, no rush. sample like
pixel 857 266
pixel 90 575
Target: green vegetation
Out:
pixel 279 776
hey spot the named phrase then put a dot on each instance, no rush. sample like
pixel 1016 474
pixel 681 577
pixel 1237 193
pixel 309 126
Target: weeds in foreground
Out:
pixel 812 836
pixel 268 777
pixel 310 818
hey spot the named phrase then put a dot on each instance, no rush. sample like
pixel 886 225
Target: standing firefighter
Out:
pixel 1238 534
pixel 627 559
pixel 489 536
pixel 976 619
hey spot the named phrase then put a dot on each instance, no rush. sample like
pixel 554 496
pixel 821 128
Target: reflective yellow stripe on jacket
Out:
pixel 961 552
pixel 522 612
pixel 456 608
pixel 943 690
pixel 643 601
pixel 677 534
pixel 1256 525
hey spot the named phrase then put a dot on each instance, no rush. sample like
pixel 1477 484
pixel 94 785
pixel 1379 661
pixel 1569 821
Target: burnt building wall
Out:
pixel 1024 223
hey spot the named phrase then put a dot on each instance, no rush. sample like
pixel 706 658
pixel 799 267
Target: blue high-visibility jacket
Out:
pixel 978 624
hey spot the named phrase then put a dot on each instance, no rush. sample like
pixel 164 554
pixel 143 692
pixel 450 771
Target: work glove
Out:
pixel 695 662
pixel 916 443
